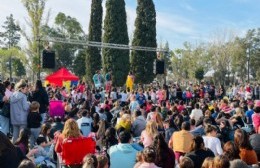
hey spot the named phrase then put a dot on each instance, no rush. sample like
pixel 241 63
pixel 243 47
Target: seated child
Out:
pixel 42 156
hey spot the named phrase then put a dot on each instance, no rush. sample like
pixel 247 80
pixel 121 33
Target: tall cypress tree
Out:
pixel 144 35
pixel 93 56
pixel 115 31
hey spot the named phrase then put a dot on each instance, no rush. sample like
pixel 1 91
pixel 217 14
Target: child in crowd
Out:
pixel 42 156
pixel 146 158
pixel 256 118
pixel 34 122
pixel 102 161
pixel 90 161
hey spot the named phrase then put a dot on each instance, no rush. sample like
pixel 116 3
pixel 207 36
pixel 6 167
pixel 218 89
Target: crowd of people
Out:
pixel 143 126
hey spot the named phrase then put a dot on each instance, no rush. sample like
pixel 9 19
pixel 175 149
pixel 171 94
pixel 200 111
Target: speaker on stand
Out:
pixel 158 67
pixel 48 59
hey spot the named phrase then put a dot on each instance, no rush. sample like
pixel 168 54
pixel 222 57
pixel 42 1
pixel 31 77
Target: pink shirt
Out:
pixel 180 108
pixel 160 95
pixel 256 121
pixel 145 165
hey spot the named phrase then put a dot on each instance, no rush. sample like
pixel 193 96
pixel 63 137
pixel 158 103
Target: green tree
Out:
pixel 10 37
pixel 144 35
pixel 252 46
pixel 7 54
pixel 19 69
pixel 35 10
pixel 93 57
pixel 79 67
pixel 65 27
pixel 199 73
pixel 115 31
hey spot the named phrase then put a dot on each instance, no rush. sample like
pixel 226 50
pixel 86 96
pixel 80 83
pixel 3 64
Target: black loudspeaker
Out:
pixel 48 59
pixel 159 66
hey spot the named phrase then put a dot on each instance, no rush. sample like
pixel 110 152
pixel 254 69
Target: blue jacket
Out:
pixel 122 155
pixel 19 108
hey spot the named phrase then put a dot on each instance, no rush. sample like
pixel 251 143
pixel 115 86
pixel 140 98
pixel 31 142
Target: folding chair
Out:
pixel 74 150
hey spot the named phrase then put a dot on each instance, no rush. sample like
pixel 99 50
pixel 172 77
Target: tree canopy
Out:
pixel 115 31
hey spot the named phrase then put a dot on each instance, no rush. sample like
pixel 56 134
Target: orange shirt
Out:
pixel 181 141
pixel 248 156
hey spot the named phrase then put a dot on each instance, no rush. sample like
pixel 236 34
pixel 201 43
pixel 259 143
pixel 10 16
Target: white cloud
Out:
pixel 175 23
pixel 187 7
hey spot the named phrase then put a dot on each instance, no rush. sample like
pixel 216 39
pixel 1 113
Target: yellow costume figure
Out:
pixel 130 82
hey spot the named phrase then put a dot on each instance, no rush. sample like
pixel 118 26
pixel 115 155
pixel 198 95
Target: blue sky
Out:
pixel 177 20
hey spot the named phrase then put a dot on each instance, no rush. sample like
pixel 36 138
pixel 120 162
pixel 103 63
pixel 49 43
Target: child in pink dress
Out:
pixel 256 118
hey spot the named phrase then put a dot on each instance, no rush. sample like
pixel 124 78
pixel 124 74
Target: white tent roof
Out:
pixel 209 74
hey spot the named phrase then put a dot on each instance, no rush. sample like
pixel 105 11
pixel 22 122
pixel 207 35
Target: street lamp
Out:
pixel 248 63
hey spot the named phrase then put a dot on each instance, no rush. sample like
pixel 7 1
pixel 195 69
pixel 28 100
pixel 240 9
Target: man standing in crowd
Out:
pixel 141 99
pixel 97 78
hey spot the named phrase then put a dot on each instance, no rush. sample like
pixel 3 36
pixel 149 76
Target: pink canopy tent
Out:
pixel 61 75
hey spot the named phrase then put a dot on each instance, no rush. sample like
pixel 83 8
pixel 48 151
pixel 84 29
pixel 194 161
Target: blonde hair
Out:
pixel 101 129
pixel 34 106
pixel 151 128
pixel 126 117
pixel 102 161
pixel 21 84
pixel 208 163
pixel 239 112
pixel 71 129
pixel 207 113
pixel 139 156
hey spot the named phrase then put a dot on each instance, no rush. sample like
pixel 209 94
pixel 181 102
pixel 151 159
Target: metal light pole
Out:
pixel 39 63
pixel 248 64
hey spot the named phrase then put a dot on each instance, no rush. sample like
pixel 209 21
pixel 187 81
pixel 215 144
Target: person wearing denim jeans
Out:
pixel 4 120
pixel 19 108
pixel 4 124
pixel 34 122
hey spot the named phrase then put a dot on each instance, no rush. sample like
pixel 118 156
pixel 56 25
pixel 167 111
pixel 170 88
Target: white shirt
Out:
pixel 153 97
pixel 84 124
pixel 213 144
pixel 196 114
pixel 113 96
pixel 123 97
